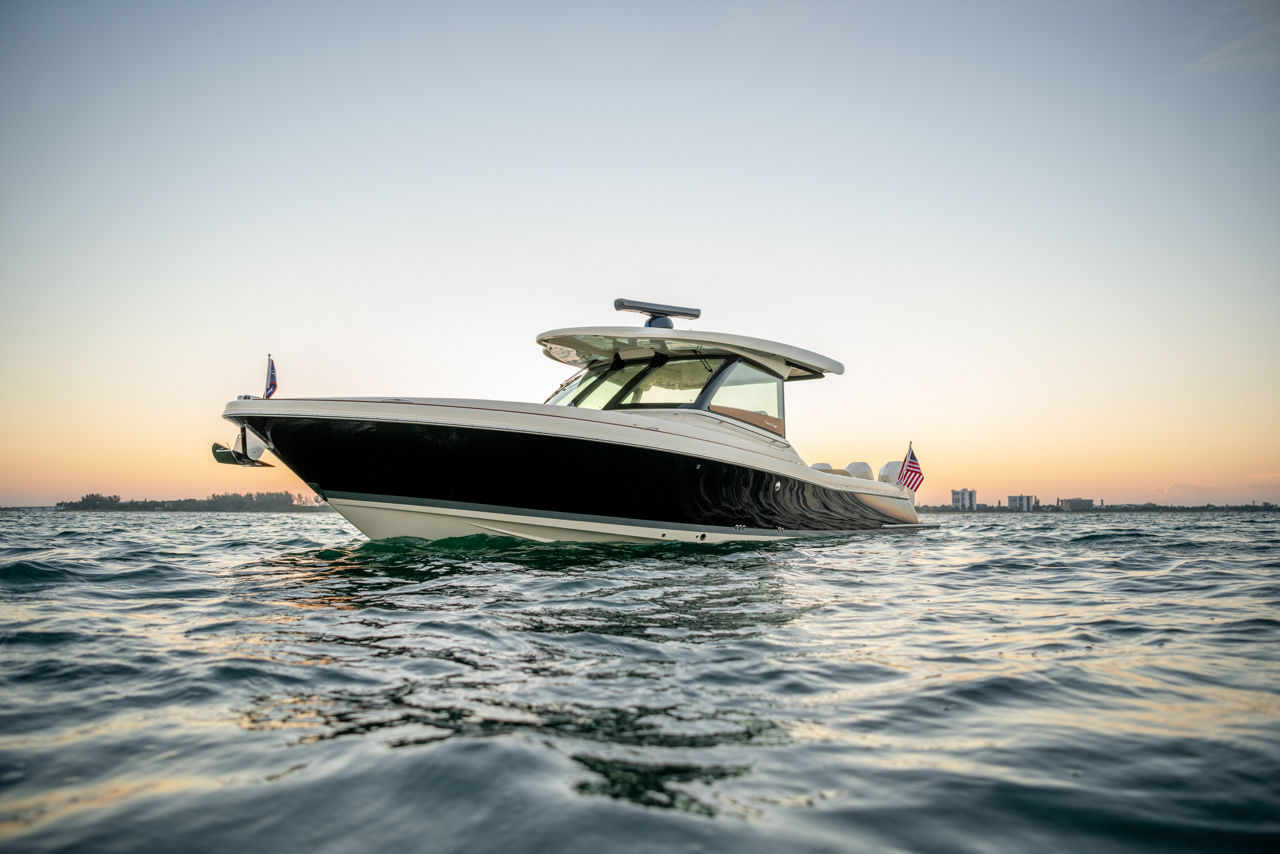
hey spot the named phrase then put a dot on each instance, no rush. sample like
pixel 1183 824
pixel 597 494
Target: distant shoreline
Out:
pixel 321 508
pixel 197 505
pixel 1052 510
pixel 231 502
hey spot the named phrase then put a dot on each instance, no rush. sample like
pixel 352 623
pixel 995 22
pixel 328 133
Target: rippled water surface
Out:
pixel 227 682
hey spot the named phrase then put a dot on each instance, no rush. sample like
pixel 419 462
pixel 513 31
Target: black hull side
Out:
pixel 553 475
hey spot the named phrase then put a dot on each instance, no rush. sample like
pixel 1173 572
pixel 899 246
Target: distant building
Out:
pixel 1075 505
pixel 1022 503
pixel 964 499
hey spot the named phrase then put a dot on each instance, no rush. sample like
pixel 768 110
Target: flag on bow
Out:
pixel 910 474
pixel 271 378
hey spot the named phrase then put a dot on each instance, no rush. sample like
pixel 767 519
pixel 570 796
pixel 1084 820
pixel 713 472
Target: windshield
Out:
pixel 671 383
pixel 751 395
pixel 607 386
pixel 563 396
pixel 656 383
pixel 742 391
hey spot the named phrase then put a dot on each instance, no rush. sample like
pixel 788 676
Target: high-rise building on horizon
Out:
pixel 1022 503
pixel 1075 504
pixel 964 499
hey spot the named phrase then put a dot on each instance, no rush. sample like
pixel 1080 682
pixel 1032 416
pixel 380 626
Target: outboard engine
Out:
pixel 861 470
pixel 889 471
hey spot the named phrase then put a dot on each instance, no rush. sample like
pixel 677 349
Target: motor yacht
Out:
pixel 661 434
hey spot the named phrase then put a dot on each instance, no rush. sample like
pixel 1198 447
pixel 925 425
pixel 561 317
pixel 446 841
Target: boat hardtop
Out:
pixel 583 347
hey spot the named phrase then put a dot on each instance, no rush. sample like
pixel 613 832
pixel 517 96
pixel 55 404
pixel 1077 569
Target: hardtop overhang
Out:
pixel 583 346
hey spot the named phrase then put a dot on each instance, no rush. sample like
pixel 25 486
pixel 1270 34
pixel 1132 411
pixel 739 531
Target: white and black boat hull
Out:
pixel 539 478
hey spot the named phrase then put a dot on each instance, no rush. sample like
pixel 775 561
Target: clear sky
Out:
pixel 1044 237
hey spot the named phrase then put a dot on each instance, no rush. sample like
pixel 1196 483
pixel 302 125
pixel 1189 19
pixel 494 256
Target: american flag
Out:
pixel 910 474
pixel 271 378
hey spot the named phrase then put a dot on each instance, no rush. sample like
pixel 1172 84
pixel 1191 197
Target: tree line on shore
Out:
pixel 235 502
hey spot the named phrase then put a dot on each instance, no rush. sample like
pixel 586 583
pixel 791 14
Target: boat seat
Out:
pixel 861 470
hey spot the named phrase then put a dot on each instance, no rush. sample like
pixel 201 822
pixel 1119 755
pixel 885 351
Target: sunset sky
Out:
pixel 1043 237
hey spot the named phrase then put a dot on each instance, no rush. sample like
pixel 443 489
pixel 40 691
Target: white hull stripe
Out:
pixel 643 527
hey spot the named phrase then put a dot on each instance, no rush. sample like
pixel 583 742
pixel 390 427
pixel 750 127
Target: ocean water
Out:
pixel 265 683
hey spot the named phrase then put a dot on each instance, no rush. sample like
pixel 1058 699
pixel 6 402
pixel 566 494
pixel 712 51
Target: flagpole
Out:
pixel 911 467
pixel 268 390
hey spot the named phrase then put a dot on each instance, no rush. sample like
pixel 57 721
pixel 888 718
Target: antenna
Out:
pixel 659 315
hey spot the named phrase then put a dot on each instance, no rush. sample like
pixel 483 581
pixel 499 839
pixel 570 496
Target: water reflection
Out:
pixel 620 590
pixel 677 606
pixel 574 644
pixel 653 785
pixel 342 714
